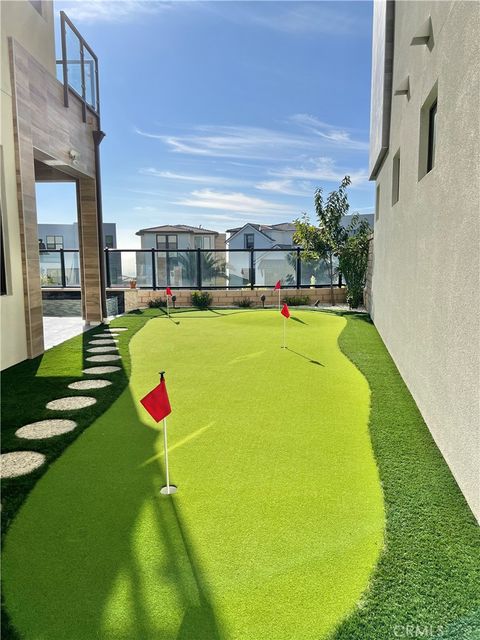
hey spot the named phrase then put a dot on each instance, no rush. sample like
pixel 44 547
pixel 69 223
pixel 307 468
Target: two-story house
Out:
pixel 176 261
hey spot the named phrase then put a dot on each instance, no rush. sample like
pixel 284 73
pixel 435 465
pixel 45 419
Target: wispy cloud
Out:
pixel 338 136
pixel 294 18
pixel 112 10
pixel 285 187
pixel 321 170
pixel 184 177
pixel 241 202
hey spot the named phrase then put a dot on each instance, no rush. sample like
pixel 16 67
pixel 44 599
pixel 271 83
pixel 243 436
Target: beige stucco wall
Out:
pixel 426 274
pixel 20 20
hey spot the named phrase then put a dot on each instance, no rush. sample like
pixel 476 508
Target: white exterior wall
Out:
pixel 185 240
pixel 426 277
pixel 35 32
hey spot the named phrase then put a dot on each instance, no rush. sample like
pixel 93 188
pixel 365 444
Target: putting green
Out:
pixel 278 522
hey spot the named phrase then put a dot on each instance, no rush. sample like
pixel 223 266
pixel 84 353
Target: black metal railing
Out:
pixel 191 269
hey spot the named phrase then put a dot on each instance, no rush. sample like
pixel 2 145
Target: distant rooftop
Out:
pixel 283 226
pixel 175 228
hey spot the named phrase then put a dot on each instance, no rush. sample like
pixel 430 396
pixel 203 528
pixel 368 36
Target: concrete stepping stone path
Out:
pixel 103 341
pixel 105 335
pixel 99 371
pixel 45 429
pixel 118 329
pixel 70 403
pixel 89 384
pixel 105 358
pixel 102 349
pixel 19 463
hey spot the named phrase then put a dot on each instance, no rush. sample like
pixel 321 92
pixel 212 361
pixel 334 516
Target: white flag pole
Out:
pixel 279 299
pixel 168 308
pixel 284 329
pixel 165 446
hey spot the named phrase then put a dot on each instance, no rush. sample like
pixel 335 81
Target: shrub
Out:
pixel 245 303
pixel 296 301
pixel 157 303
pixel 201 299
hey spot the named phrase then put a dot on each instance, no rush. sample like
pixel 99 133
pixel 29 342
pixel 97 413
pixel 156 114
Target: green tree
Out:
pixel 323 242
pixel 353 260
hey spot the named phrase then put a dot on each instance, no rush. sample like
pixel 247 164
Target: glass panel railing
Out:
pixel 50 269
pixel 129 268
pixel 237 269
pixel 72 268
pixel 176 269
pixel 74 66
pixel 90 79
pixel 272 266
pixel 315 272
pixel 213 268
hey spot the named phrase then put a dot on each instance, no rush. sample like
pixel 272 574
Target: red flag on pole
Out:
pixel 156 402
pixel 168 291
pixel 278 285
pixel 285 311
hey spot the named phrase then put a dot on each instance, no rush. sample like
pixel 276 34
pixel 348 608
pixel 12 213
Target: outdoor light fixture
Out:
pixel 262 298
pixel 72 154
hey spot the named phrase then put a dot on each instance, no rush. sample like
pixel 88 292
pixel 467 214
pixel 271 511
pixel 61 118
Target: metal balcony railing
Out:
pixel 191 269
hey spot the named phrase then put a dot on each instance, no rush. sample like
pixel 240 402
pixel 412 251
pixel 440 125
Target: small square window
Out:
pixel 428 134
pixel 377 202
pixel 432 136
pixel 54 242
pixel 109 241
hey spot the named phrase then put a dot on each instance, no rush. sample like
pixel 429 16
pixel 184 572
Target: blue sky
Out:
pixel 220 113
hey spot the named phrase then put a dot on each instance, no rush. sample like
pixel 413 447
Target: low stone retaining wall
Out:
pixel 139 298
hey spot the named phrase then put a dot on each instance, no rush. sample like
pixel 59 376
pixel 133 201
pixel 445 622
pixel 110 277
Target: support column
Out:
pixel 90 267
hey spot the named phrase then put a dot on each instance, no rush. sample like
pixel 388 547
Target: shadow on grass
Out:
pixel 74 546
pixel 305 357
pixel 298 320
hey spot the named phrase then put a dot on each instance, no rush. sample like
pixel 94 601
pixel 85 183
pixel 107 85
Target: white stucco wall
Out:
pixel 426 278
pixel 35 32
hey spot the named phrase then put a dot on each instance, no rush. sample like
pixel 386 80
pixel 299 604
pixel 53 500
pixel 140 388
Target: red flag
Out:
pixel 156 402
pixel 285 311
pixel 168 291
pixel 277 286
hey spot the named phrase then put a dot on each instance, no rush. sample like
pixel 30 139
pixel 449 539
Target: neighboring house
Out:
pixel 52 237
pixel 271 266
pixel 176 265
pixel 50 132
pixel 425 161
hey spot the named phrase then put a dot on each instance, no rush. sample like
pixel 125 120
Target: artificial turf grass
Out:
pixel 279 517
pixel 427 582
pixel 25 390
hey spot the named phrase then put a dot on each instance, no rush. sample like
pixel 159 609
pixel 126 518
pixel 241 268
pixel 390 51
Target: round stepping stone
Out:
pixel 19 463
pixel 71 402
pixel 103 349
pixel 118 329
pixel 99 371
pixel 104 341
pixel 105 335
pixel 89 384
pixel 105 358
pixel 45 429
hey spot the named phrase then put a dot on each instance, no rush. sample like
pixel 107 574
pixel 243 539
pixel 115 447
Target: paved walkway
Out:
pixel 57 330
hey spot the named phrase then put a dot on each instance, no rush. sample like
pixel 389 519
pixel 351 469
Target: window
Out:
pixel 167 242
pixel 54 242
pixel 249 240
pixel 109 241
pixel 432 136
pixel 377 202
pixel 203 242
pixel 396 178
pixel 428 134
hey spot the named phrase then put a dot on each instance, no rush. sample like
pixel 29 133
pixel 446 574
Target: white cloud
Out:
pixel 236 142
pixel 169 175
pixel 286 187
pixel 112 10
pixel 210 199
pixel 321 170
pixel 337 136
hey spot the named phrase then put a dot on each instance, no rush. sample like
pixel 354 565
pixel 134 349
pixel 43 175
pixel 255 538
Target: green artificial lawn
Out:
pixel 278 522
